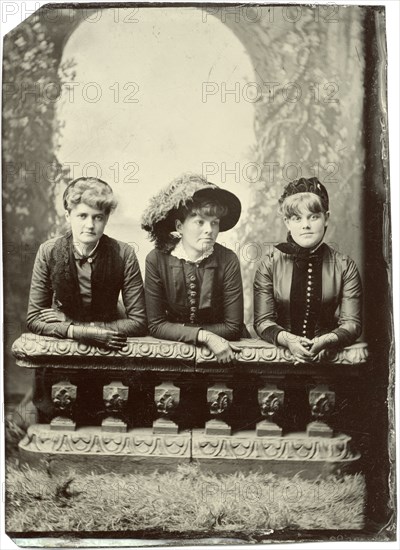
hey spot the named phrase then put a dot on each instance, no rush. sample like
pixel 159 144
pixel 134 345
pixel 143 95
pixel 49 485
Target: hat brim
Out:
pixel 213 194
pixel 225 198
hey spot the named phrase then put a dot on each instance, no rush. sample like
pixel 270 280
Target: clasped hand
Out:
pixel 300 347
pixel 305 350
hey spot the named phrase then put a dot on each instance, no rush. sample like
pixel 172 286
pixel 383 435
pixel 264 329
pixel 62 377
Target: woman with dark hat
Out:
pixel 193 285
pixel 307 296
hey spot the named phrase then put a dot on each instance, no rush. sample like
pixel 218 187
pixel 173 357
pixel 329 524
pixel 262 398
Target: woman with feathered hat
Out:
pixel 193 285
pixel 307 296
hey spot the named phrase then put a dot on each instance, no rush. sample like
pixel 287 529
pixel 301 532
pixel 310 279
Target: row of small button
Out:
pixel 308 299
pixel 192 295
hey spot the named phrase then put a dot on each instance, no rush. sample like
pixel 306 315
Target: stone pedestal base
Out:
pixel 319 429
pixel 265 428
pixel 217 427
pixel 91 449
pixel 165 426
pixel 114 425
pixel 285 456
pixel 62 423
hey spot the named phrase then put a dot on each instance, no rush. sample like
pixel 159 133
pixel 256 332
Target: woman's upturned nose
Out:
pixel 207 227
pixel 305 223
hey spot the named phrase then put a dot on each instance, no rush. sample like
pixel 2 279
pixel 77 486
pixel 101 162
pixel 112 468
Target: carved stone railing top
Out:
pixel 35 351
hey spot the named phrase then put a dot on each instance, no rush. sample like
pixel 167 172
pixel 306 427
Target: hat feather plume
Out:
pixel 176 194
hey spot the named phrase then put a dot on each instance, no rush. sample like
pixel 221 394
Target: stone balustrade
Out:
pixel 156 404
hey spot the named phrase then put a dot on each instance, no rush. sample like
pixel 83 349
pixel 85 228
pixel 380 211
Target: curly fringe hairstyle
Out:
pixel 94 192
pixel 293 205
pixel 204 207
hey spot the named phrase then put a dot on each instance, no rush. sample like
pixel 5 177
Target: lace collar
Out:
pixel 180 253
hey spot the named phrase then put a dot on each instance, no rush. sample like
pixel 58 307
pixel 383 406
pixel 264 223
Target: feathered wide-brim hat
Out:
pixel 159 218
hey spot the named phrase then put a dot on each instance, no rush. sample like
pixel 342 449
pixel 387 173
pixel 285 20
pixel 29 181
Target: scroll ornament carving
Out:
pixel 220 404
pixel 63 395
pixel 166 404
pixel 309 449
pixel 322 404
pixel 32 346
pixel 271 403
pixel 39 439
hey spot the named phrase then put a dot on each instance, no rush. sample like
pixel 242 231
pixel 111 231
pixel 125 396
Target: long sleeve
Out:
pixel 265 314
pixel 232 303
pixel 133 298
pixel 349 322
pixel 41 296
pixel 156 305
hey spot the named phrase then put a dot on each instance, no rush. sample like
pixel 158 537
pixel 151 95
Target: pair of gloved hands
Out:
pixel 303 349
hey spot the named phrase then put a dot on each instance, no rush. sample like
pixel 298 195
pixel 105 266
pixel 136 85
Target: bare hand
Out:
pixel 51 315
pixel 223 350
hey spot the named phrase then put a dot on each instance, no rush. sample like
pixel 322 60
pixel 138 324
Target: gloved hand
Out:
pixel 99 336
pixel 326 341
pixel 299 346
pixel 223 350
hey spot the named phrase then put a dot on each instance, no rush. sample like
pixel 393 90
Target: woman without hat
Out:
pixel 307 296
pixel 193 285
pixel 78 277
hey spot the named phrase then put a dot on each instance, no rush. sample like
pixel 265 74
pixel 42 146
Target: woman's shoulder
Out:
pixel 331 252
pixel 157 255
pixel 47 247
pixel 224 254
pixel 125 250
pixel 272 255
pixel 343 261
pixel 123 246
pixel 50 243
pixel 221 250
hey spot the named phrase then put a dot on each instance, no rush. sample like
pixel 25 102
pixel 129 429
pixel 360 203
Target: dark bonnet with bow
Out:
pixel 306 185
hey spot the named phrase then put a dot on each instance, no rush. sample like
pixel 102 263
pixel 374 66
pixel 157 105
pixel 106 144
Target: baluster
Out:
pixel 63 395
pixel 322 402
pixel 219 399
pixel 270 399
pixel 115 397
pixel 166 398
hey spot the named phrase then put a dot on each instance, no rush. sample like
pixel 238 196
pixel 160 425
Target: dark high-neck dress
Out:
pixel 308 295
pixel 182 297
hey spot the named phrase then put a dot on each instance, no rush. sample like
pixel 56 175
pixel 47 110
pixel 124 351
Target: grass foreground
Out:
pixel 185 500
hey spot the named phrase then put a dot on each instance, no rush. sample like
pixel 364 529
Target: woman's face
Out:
pixel 87 224
pixel 307 228
pixel 199 233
